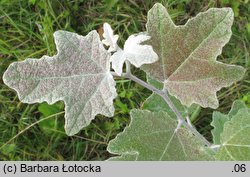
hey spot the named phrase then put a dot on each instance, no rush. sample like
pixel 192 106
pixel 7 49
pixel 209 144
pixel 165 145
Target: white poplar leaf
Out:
pixel 79 75
pixel 187 53
pixel 155 136
pixel 134 52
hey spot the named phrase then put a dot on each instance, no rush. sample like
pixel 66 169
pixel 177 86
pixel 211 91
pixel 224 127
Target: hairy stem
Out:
pixel 128 67
pixel 164 95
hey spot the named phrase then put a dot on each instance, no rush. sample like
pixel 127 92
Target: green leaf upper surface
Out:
pixel 235 141
pixel 218 122
pixel 153 136
pixel 79 75
pixel 220 119
pixel 187 55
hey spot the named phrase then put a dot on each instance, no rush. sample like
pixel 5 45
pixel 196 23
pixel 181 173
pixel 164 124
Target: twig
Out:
pixel 164 95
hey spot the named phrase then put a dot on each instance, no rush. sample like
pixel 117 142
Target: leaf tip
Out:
pixel 158 5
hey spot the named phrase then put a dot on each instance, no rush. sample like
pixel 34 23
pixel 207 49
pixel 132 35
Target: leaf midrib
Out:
pixel 235 134
pixel 63 77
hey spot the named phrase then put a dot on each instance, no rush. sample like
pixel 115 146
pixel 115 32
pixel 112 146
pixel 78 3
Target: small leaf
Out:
pixel 220 119
pixel 79 75
pixel 235 141
pixel 133 52
pixel 109 38
pixel 153 136
pixel 187 55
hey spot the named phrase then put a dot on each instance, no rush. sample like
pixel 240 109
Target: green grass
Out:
pixel 35 132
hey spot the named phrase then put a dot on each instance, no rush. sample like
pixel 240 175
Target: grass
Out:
pixel 35 132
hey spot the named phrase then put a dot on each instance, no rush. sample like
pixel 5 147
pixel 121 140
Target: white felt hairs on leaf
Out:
pixel 109 38
pixel 78 75
pixel 134 52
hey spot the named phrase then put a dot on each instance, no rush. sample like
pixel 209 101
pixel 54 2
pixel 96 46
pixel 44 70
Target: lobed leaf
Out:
pixel 79 75
pixel 134 52
pixel 154 136
pixel 187 54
